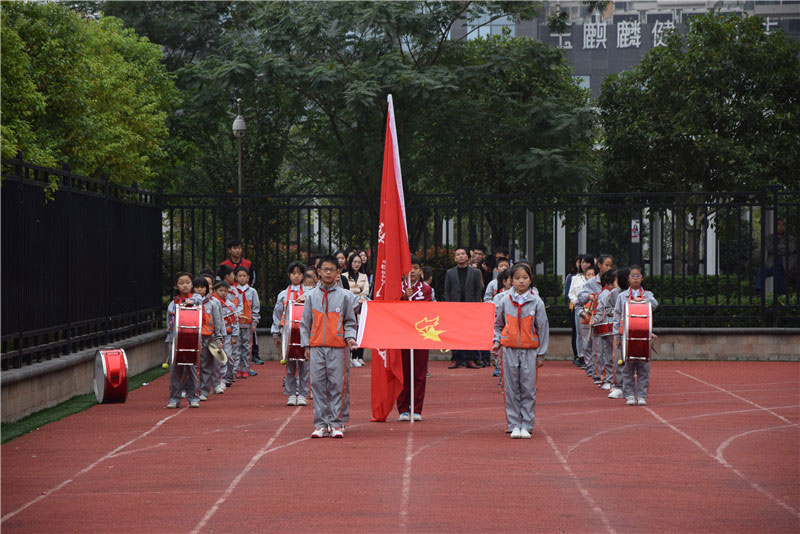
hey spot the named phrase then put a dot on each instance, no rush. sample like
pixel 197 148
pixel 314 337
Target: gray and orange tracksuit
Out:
pixel 181 377
pixel 604 345
pixel 295 382
pixel 329 320
pixel 638 367
pixel 616 353
pixel 523 331
pixel 230 317
pixel 249 316
pixel 213 330
pixel 592 287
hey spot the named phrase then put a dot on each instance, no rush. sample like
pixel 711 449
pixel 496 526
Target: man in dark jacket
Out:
pixel 462 283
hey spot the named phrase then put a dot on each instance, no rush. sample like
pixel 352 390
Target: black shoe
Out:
pixel 258 361
pixel 228 384
pixel 472 365
pixel 455 365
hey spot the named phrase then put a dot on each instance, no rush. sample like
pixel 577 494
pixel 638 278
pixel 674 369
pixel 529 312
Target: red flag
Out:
pixel 427 325
pixel 394 260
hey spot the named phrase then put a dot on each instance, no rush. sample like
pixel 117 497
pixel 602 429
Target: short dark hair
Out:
pixel 427 272
pixel 461 248
pixel 240 268
pixel 479 247
pixel 311 269
pixel 501 250
pixel 221 284
pixel 329 259
pixel 608 277
pixel 521 266
pixel 200 281
pixel 224 270
pixel 415 260
pixel 635 267
pixel 498 260
pixel 235 242
pixel 207 271
pixel 295 265
pixel 181 274
pixel 501 277
pixel 603 257
pixel 622 278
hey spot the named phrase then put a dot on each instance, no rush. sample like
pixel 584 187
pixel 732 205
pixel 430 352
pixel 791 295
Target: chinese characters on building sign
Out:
pixel 659 31
pixel 594 35
pixel 629 34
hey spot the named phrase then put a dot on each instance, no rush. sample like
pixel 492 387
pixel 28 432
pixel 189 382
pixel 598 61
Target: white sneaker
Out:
pixel 203 398
pixel 607 386
pixel 301 400
pixel 616 393
pixel 642 401
pixel 524 434
pixel 223 386
pixel 292 401
pixel 361 361
pixel 417 417
pixel 516 433
pixel 405 416
pixel 320 432
pixel 630 401
pixel 172 405
pixel 354 363
pixel 194 404
pixel 183 394
pixel 337 432
pixel 219 390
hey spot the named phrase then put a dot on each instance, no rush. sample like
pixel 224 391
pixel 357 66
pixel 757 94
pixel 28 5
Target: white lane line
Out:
pixel 253 461
pixel 406 491
pixel 91 466
pixel 134 451
pixel 584 493
pixel 725 464
pixel 732 394
pixel 724 445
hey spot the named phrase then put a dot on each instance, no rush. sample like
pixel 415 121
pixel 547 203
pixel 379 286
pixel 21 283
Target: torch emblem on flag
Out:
pixel 426 328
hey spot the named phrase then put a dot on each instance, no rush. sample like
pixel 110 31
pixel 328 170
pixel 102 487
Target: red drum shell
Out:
pixel 290 341
pixel 603 329
pixel 110 376
pixel 639 330
pixel 186 340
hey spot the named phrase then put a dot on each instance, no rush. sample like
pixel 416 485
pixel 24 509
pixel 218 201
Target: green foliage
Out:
pixel 84 92
pixel 715 110
pixel 727 287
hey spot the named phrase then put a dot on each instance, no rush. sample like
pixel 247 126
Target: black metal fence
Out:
pixel 79 269
pixel 703 254
pixel 96 262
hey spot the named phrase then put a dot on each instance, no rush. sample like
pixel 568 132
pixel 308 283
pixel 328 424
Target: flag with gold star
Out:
pixel 426 325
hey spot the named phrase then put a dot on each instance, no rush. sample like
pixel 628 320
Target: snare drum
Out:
pixel 638 331
pixel 110 376
pixel 187 335
pixel 603 329
pixel 291 349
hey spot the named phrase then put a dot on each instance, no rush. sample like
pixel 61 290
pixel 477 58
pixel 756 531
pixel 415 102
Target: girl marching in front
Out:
pixel 522 329
pixel 640 368
pixel 295 382
pixel 181 376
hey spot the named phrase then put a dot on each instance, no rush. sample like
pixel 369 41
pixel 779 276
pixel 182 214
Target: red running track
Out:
pixel 717 449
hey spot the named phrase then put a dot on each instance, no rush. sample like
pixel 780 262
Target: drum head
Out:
pixel 99 376
pixel 217 352
pixel 286 335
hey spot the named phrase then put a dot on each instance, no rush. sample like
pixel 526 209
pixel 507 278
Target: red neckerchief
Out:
pixel 606 287
pixel 325 296
pixel 640 293
pixel 297 294
pixel 180 299
pixel 222 302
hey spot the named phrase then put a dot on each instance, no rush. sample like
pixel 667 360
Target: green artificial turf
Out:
pixel 72 406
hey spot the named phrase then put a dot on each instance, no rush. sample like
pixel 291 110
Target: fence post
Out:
pixel 636 236
pixel 107 245
pixel 762 270
pixel 70 300
pixel 20 240
pixel 776 287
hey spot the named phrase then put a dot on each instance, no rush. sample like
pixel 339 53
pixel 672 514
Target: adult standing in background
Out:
pixel 462 283
pixel 235 260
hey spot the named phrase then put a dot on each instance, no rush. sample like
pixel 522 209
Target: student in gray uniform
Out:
pixel 248 320
pixel 522 330
pixel 230 317
pixel 589 293
pixel 620 285
pixel 639 368
pixel 212 331
pixel 605 314
pixel 181 376
pixel 327 329
pixel 295 382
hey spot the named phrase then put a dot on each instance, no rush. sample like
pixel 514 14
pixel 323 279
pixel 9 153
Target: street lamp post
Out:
pixel 238 131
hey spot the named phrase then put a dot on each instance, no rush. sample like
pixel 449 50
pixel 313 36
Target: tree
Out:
pixel 715 110
pixel 82 91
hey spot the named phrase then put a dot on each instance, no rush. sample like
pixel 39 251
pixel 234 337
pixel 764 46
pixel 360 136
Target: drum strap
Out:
pixel 291 296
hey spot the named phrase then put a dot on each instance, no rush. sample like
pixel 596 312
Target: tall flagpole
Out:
pixel 412 386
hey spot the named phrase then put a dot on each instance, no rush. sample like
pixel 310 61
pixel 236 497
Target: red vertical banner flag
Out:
pixel 394 261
